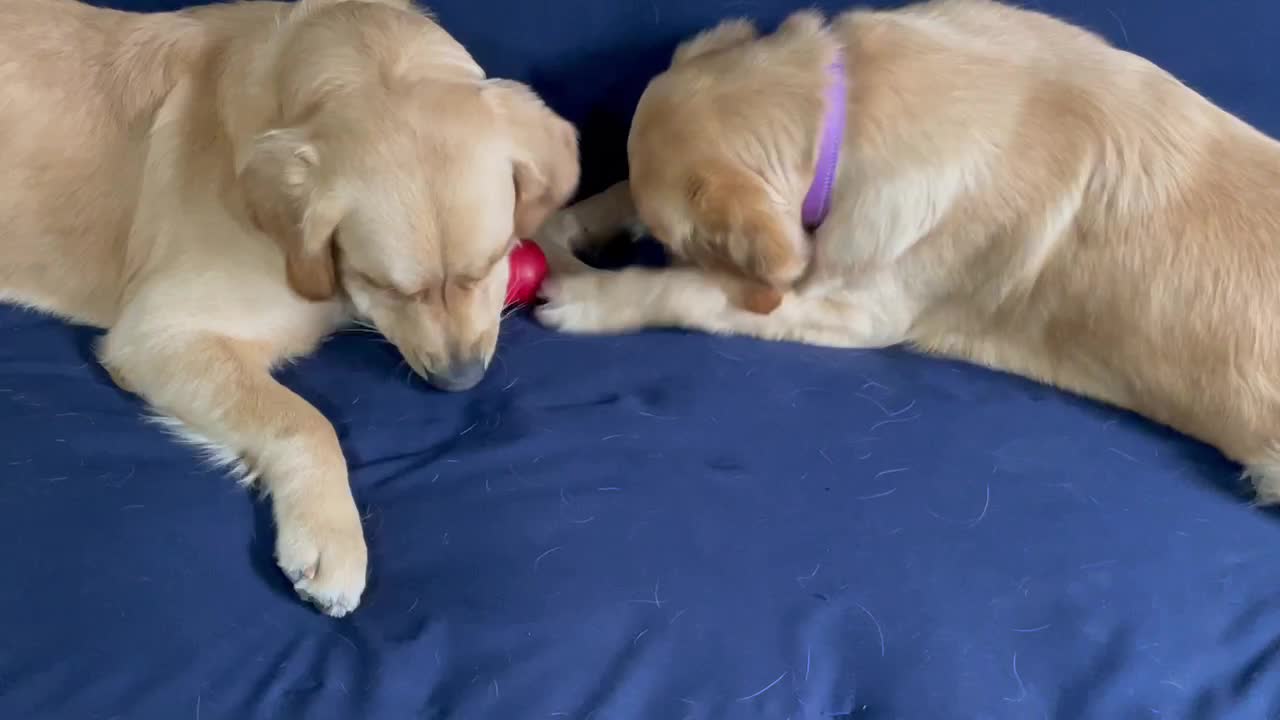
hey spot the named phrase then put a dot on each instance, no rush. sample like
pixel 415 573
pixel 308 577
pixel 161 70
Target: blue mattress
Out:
pixel 656 526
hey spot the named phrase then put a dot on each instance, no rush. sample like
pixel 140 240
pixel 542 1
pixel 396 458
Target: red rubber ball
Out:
pixel 528 270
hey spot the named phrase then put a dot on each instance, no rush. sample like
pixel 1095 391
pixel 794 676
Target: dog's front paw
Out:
pixel 562 230
pixel 579 303
pixel 321 549
pixel 559 237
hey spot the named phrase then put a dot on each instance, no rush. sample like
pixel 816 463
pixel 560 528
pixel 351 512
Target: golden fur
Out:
pixel 1012 191
pixel 223 187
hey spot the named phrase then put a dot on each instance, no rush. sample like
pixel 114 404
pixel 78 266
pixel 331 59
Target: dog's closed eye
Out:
pixel 391 291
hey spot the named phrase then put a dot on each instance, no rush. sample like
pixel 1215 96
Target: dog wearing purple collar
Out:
pixel 972 179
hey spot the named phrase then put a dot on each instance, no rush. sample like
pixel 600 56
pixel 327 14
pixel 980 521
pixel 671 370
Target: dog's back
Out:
pixel 1115 233
pixel 80 86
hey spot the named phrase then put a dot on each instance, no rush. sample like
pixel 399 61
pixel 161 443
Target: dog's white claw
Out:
pixel 570 304
pixel 323 553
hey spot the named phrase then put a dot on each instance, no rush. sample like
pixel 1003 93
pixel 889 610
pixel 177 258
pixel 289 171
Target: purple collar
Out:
pixel 817 202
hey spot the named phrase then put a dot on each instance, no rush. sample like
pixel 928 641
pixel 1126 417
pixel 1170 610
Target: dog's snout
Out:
pixel 458 376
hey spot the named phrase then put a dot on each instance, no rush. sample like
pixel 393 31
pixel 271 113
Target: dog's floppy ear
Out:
pixel 727 34
pixel 278 180
pixel 748 233
pixel 545 165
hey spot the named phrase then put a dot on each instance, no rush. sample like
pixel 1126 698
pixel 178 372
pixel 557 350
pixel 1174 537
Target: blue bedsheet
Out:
pixel 658 526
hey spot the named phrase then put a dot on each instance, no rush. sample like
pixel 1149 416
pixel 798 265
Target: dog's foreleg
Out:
pixel 220 395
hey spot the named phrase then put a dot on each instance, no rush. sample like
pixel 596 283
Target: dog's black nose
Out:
pixel 460 376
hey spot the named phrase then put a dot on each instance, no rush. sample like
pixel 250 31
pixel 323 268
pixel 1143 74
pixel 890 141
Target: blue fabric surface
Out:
pixel 656 526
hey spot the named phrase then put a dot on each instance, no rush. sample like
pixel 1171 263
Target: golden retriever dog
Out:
pixel 223 187
pixel 1010 190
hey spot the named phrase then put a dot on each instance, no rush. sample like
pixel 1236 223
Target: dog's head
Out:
pixel 722 150
pixel 390 170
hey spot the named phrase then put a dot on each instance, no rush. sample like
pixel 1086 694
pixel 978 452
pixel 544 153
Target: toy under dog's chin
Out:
pixel 528 270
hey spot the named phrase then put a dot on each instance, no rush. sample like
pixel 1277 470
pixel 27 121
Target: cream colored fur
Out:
pixel 222 188
pixel 1013 191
